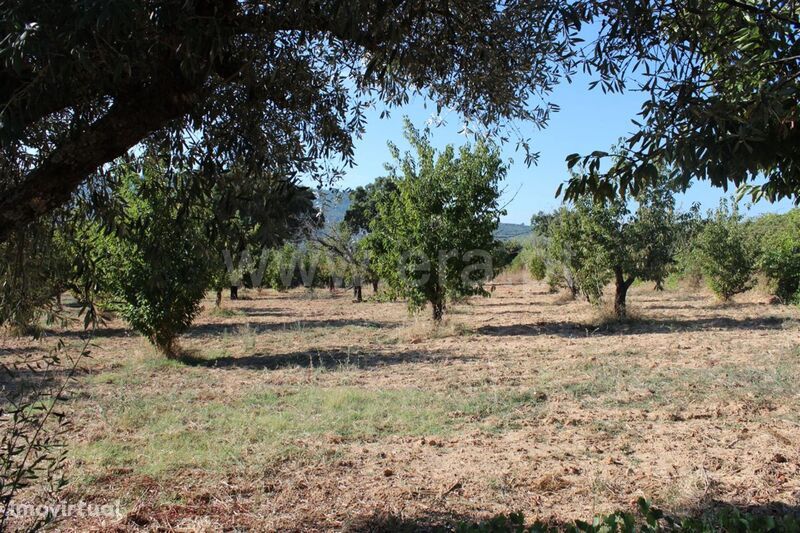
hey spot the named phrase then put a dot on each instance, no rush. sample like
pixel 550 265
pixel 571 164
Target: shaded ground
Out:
pixel 307 412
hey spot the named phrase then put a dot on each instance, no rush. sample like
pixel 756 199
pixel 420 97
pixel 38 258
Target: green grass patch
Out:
pixel 609 382
pixel 156 432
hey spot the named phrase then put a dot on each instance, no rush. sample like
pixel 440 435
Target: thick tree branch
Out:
pixel 126 123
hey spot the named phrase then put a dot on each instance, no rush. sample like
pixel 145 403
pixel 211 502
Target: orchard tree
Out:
pixel 780 256
pixel 564 258
pixel 626 245
pixel 279 84
pixel 435 233
pixel 349 251
pixel 727 256
pixel 253 211
pixel 362 210
pixel 573 262
pixel 158 264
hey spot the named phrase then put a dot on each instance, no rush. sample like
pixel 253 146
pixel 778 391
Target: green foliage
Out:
pixel 563 261
pixel 722 80
pixel 159 265
pixel 253 211
pixel 508 253
pixel 727 256
pixel 364 204
pixel 278 84
pixel 600 240
pixel 34 268
pixel 34 429
pixel 780 256
pixel 537 266
pixel 649 520
pixel 432 240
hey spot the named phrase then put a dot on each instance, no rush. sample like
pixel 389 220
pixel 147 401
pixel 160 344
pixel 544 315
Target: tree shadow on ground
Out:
pixel 649 326
pixel 21 381
pixel 202 330
pixel 260 311
pixel 327 359
pixel 659 298
pixel 23 350
pixel 522 303
pixel 442 521
pixel 101 332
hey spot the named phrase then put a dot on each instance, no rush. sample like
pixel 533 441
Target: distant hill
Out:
pixel 507 232
pixel 334 203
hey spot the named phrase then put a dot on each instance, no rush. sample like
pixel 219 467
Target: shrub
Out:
pixel 780 257
pixel 537 266
pixel 727 256
pixel 159 265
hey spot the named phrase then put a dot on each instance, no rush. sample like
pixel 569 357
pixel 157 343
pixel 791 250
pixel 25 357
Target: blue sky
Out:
pixel 588 120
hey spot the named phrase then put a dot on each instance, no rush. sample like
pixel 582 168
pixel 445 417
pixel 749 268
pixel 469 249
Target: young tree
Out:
pixel 436 232
pixel 159 264
pixel 780 256
pixel 563 232
pixel 727 256
pixel 611 241
pixel 575 261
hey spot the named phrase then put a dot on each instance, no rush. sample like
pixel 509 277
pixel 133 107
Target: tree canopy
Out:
pixel 722 79
pixel 277 85
pixel 435 233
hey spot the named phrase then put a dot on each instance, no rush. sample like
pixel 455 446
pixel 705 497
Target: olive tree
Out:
pixel 434 234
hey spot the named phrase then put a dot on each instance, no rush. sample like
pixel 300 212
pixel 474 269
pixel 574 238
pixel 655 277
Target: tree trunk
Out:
pixel 331 284
pixel 573 290
pixel 234 292
pixel 438 311
pixel 218 300
pixel 621 294
pixel 374 286
pixel 357 293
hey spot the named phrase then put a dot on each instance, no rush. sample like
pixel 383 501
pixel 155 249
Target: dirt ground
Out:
pixel 306 412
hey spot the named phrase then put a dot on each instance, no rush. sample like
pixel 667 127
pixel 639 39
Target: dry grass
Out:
pixel 307 412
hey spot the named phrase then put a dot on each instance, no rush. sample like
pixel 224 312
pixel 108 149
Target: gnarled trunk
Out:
pixel 357 293
pixel 234 292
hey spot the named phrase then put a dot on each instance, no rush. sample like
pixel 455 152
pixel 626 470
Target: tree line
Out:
pixel 149 247
pixel 585 245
